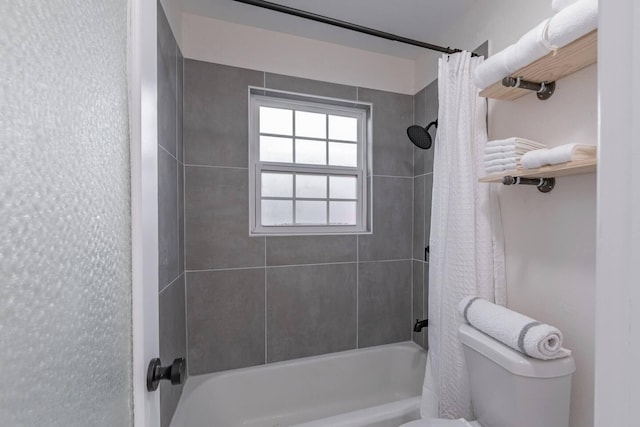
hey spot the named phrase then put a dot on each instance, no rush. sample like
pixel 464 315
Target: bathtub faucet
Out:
pixel 420 324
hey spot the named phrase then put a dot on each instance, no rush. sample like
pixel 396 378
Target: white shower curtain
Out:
pixel 466 245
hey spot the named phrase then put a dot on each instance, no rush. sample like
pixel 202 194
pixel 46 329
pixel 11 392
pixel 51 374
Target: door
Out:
pixel 144 205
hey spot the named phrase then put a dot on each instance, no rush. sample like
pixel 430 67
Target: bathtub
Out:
pixel 372 387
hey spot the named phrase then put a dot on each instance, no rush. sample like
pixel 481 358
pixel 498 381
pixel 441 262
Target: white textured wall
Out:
pixel 227 43
pixel 550 238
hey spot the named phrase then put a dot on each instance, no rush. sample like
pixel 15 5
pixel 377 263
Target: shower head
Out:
pixel 420 136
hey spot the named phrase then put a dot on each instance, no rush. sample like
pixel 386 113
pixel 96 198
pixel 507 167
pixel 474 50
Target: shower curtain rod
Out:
pixel 349 26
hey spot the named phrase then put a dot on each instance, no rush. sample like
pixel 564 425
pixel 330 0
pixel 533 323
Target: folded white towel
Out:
pixel 500 161
pixel 514 141
pixel 520 332
pixel 573 22
pixel 508 167
pixel 506 150
pixel 558 5
pixel 509 154
pixel 548 156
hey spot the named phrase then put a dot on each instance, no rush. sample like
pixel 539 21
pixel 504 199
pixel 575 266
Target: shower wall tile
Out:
pixel 217 220
pixel 425 301
pixel 431 111
pixel 173 343
pixel 216 113
pixel 168 243
pixel 180 217
pixel 392 221
pixel 167 75
pixel 311 310
pixel 179 105
pixel 292 250
pixel 418 308
pixel 310 87
pixel 428 194
pixel 419 208
pixel 384 302
pixel 392 114
pixel 420 119
pixel 226 312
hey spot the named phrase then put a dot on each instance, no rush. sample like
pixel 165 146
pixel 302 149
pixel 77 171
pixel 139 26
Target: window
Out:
pixel 308 164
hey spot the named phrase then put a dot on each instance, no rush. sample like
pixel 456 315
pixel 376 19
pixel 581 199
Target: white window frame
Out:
pixel 362 111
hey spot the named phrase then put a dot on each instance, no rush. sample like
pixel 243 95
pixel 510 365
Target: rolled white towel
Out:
pixel 534 159
pixel 558 5
pixel 548 156
pixel 531 46
pixel 491 70
pixel 572 22
pixel 520 332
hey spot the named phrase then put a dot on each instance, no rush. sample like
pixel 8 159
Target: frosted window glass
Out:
pixel 311 212
pixel 343 154
pixel 311 152
pixel 311 125
pixel 277 184
pixel 342 213
pixel 273 149
pixel 344 128
pixel 276 121
pixel 65 240
pixel 277 212
pixel 342 187
pixel 311 186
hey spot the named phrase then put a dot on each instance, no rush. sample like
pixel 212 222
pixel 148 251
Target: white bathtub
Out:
pixel 372 387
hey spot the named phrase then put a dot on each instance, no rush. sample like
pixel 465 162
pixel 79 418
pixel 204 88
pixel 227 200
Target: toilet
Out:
pixel 509 389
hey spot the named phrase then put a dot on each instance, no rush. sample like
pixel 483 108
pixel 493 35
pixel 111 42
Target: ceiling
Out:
pixel 422 20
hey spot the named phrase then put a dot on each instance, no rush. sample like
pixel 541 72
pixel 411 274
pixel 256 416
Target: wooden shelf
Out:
pixel 566 60
pixel 576 167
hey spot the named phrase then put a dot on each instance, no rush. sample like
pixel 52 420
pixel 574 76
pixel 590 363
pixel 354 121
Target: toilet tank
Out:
pixel 509 389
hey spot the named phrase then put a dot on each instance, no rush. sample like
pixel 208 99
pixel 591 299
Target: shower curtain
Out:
pixel 466 245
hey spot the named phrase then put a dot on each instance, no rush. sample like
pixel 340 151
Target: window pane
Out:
pixel 274 149
pixel 312 186
pixel 341 154
pixel 342 187
pixel 276 120
pixel 311 152
pixel 311 212
pixel 344 128
pixel 342 213
pixel 312 125
pixel 277 184
pixel 277 212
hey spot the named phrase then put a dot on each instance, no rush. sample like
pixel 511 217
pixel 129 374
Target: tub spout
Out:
pixel 420 324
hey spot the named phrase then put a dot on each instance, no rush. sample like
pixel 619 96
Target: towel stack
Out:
pixel 503 155
pixel 556 155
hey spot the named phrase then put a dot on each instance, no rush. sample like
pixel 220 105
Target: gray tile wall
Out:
pixel 171 285
pixel 426 111
pixel 255 300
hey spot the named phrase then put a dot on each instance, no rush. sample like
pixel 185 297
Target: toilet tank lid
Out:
pixel 514 361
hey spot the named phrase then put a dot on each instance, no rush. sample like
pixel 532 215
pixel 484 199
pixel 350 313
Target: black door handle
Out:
pixel 176 373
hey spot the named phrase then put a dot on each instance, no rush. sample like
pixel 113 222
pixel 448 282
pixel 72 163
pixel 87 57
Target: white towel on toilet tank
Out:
pixel 520 332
